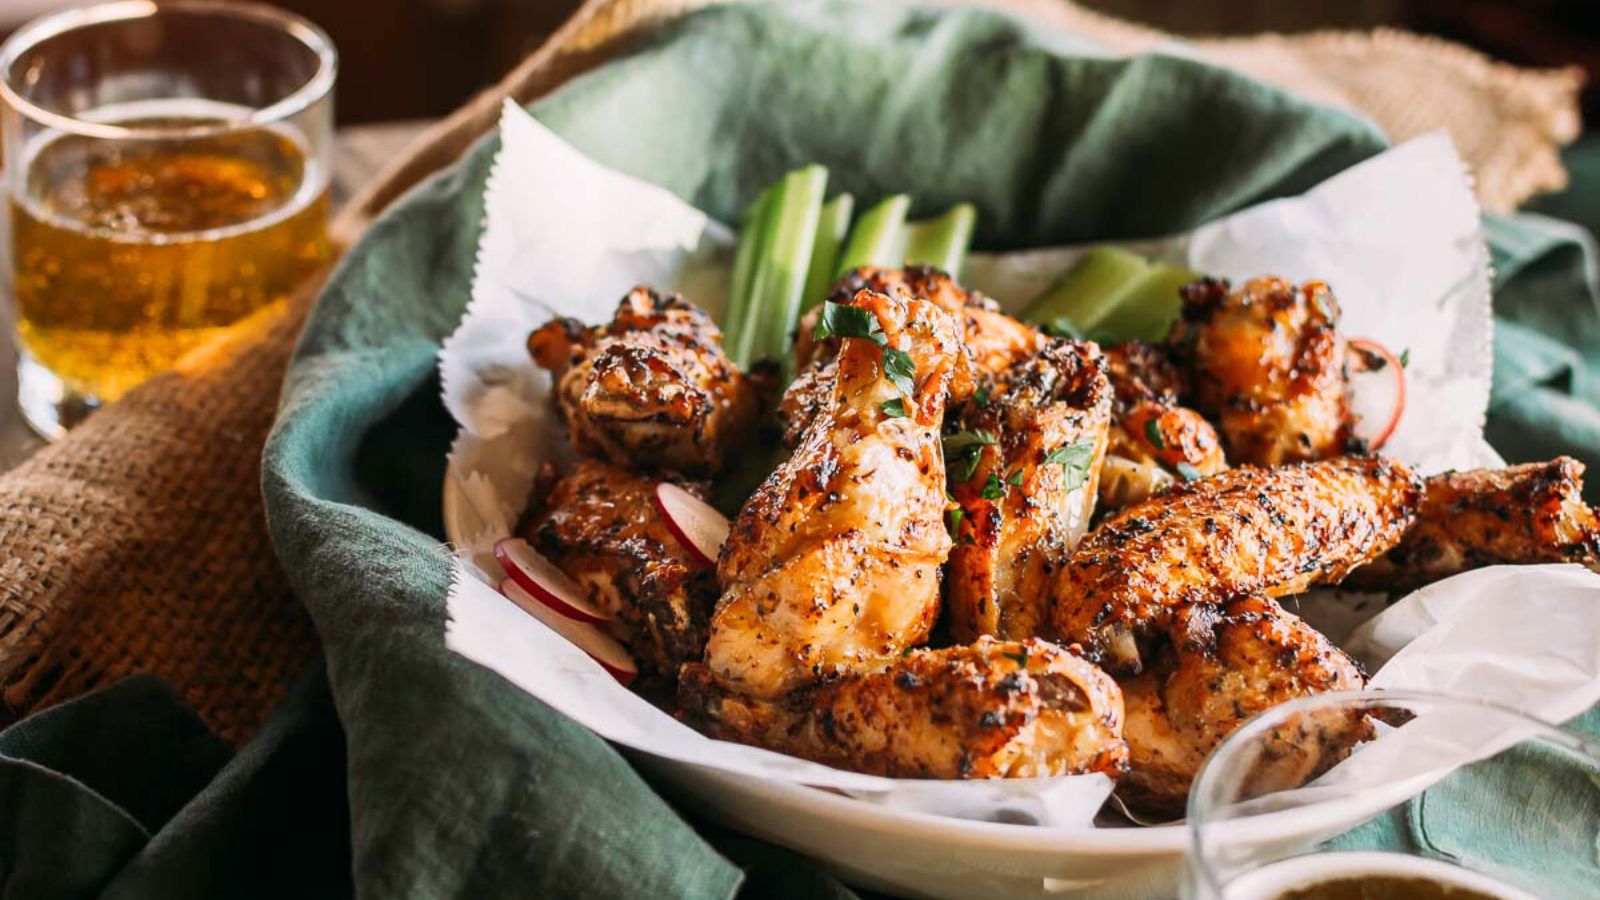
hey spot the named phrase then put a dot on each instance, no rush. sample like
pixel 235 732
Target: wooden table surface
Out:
pixel 359 153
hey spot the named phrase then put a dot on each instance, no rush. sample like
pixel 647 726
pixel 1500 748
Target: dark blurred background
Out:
pixel 406 59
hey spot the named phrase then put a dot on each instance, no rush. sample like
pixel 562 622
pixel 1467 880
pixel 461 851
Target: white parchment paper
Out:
pixel 1398 238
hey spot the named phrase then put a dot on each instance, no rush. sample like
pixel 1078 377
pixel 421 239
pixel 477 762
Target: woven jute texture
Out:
pixel 138 544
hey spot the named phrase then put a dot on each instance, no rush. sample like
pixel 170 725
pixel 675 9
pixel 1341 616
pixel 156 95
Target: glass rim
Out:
pixel 30 35
pixel 1211 771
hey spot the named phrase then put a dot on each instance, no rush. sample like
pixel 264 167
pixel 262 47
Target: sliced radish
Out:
pixel 695 523
pixel 1397 370
pixel 602 647
pixel 536 574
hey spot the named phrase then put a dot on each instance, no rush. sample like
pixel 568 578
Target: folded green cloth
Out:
pixel 461 785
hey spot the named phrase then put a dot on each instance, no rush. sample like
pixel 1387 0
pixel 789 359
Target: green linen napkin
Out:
pixel 461 785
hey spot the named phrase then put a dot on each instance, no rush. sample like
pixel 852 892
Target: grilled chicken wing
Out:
pixel 993 340
pixel 599 526
pixel 1532 513
pixel 1245 531
pixel 992 709
pixel 1266 361
pixel 652 389
pixel 1222 665
pixel 833 564
pixel 1152 436
pixel 1026 499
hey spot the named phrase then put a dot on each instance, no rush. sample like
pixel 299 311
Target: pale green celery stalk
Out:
pixel 832 226
pixel 1086 293
pixel 739 325
pixel 785 258
pixel 1147 308
pixel 942 242
pixel 878 238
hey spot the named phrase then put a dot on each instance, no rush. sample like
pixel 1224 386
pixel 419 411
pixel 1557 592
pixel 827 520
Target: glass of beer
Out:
pixel 1395 794
pixel 167 168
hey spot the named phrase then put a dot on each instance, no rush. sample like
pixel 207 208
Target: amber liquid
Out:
pixel 129 254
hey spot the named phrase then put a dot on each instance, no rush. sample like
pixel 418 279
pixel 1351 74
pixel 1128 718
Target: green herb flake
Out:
pixel 1152 433
pixel 981 396
pixel 894 409
pixel 953 517
pixel 1016 479
pixel 1020 658
pixel 901 369
pixel 1189 473
pixel 843 320
pixel 1405 358
pixel 992 488
pixel 1074 460
pixel 962 451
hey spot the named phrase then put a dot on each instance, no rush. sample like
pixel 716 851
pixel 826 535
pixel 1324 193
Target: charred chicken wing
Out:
pixel 1245 531
pixel 833 564
pixel 1267 363
pixel 1532 513
pixel 1220 666
pixel 993 709
pixel 993 340
pixel 652 389
pixel 599 526
pixel 1027 495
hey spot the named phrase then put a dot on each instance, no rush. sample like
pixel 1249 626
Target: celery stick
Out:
pixel 831 229
pixel 1147 308
pixel 942 242
pixel 785 258
pixel 1089 290
pixel 739 330
pixel 879 236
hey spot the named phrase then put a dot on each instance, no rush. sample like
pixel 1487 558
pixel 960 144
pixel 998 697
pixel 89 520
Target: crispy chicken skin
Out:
pixel 1267 363
pixel 1532 513
pixel 1150 430
pixel 652 389
pixel 598 525
pixel 1244 531
pixel 833 564
pixel 993 340
pixel 1023 515
pixel 991 709
pixel 1220 666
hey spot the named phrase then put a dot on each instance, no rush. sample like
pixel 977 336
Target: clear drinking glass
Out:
pixel 1412 786
pixel 167 173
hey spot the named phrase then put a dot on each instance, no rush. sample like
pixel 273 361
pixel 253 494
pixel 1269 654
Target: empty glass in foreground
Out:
pixel 167 172
pixel 1402 795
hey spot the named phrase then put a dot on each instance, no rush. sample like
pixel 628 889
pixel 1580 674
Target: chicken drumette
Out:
pixel 1267 363
pixel 652 389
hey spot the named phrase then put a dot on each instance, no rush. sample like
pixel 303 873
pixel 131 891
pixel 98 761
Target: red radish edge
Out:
pixel 536 574
pixel 1399 370
pixel 695 523
pixel 601 647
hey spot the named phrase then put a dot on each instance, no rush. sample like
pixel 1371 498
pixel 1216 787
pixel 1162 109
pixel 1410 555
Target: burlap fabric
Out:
pixel 138 543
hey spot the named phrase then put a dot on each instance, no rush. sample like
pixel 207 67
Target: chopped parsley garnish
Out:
pixel 1405 358
pixel 1189 473
pixel 1016 478
pixel 1020 658
pixel 962 451
pixel 1074 460
pixel 981 396
pixel 842 320
pixel 1152 433
pixel 900 369
pixel 992 488
pixel 894 409
pixel 953 517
